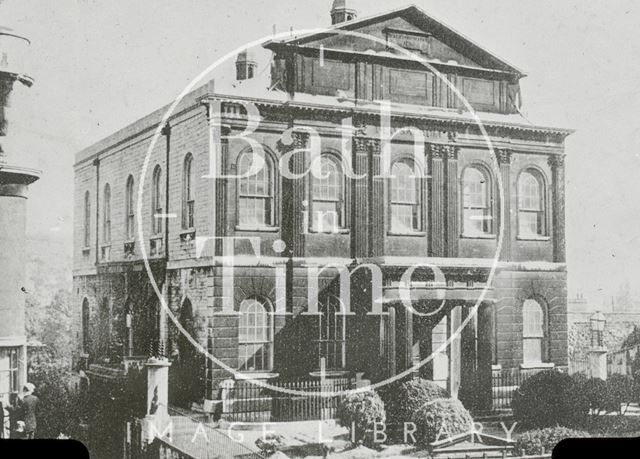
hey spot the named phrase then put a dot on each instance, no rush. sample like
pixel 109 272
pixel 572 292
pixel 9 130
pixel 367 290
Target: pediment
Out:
pixel 408 28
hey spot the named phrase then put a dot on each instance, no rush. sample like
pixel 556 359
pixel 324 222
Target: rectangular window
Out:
pixel 9 371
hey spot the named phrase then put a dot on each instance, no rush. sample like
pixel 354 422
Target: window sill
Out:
pixel 478 236
pixel 537 365
pixel 339 231
pixel 260 229
pixel 408 234
pixel 249 375
pixel 533 238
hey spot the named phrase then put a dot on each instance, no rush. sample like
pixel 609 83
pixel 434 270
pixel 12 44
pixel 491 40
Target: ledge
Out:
pixel 537 365
pixel 258 229
pixel 330 374
pixel 478 236
pixel 533 238
pixel 249 375
pixel 329 233
pixel 411 234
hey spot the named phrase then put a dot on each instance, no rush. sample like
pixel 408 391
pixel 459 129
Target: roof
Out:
pixel 416 15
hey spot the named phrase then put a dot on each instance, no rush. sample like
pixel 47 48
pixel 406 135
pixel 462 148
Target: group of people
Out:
pixel 21 413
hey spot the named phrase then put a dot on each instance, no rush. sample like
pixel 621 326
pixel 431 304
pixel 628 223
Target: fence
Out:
pixel 504 384
pixel 579 365
pixel 248 402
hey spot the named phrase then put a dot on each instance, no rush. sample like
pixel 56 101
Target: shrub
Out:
pixel 550 398
pixel 402 398
pixel 358 412
pixel 542 441
pixel 439 419
pixel 620 391
pixel 595 389
pixel 270 444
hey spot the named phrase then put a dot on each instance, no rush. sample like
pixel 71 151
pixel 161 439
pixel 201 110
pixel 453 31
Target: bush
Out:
pixel 270 444
pixel 439 419
pixel 358 412
pixel 550 398
pixel 595 389
pixel 620 392
pixel 401 399
pixel 543 441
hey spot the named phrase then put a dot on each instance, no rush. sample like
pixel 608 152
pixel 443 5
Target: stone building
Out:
pixel 441 207
pixel 14 182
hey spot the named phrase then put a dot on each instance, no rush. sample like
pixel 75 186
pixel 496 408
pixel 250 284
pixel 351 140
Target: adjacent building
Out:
pixel 446 206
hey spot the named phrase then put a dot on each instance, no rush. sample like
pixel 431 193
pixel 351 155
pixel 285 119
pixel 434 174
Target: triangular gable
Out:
pixel 410 28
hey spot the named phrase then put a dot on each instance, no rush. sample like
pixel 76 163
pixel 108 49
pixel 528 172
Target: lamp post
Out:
pixel 598 353
pixel 598 322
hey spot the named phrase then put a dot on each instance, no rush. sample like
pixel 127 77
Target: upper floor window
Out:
pixel 331 334
pixel 87 219
pixel 106 216
pixel 533 332
pixel 531 208
pixel 129 208
pixel 156 201
pixel 188 180
pixel 255 193
pixel 255 336
pixel 476 202
pixel 406 197
pixel 328 212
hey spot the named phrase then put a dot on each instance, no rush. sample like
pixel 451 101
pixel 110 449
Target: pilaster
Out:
pixel 436 155
pixel 503 157
pixel 558 189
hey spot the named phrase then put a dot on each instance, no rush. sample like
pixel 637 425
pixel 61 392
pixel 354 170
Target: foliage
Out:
pixel 542 441
pixel 595 390
pixel 60 407
pixel 633 338
pixel 359 411
pixel 439 419
pixel 270 443
pixel 620 392
pixel 550 398
pixel 402 399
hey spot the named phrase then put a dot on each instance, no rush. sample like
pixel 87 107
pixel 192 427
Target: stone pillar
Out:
pixel 360 201
pixel 452 207
pixel 504 161
pixel 455 351
pixel 437 197
pixel 377 202
pixel 557 172
pixel 157 420
pixel 598 362
pixel 294 194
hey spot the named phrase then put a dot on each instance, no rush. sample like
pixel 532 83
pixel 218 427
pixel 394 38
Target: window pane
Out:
pixel 405 196
pixel 474 188
pixel 529 193
pixel 529 224
pixel 326 216
pixel 532 350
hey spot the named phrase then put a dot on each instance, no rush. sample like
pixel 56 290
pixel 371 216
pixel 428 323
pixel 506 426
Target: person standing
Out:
pixel 29 407
pixel 15 415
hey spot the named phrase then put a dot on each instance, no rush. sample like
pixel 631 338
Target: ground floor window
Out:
pixel 331 335
pixel 9 368
pixel 255 336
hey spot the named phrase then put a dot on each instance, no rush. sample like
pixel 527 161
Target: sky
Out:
pixel 99 65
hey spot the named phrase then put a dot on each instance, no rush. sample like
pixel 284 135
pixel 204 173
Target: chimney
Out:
pixel 246 65
pixel 340 12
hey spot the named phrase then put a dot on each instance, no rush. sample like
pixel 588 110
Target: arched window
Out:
pixel 476 202
pixel 188 180
pixel 86 331
pixel 156 201
pixel 531 211
pixel 106 216
pixel 130 208
pixel 533 332
pixel 255 336
pixel 328 197
pixel 406 197
pixel 255 193
pixel 331 335
pixel 87 219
